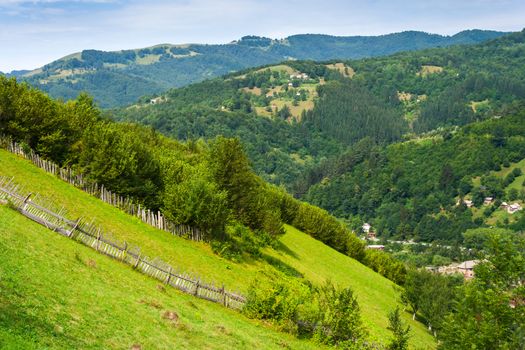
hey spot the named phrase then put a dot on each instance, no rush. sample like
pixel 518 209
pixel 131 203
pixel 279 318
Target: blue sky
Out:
pixel 33 33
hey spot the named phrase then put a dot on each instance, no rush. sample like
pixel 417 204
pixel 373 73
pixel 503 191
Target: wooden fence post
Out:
pixel 223 296
pixel 125 251
pixel 169 276
pixel 98 240
pixel 25 201
pixel 137 262
pixel 197 288
pixel 74 228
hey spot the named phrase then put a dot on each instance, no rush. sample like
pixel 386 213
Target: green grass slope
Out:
pixel 58 294
pixel 192 257
pixel 299 251
pixel 376 295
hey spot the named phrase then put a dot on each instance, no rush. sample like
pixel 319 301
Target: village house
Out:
pixel 465 268
pixel 468 203
pixel 488 200
pixel 302 76
pixel 513 208
pixel 376 247
pixel 155 100
pixel 371 235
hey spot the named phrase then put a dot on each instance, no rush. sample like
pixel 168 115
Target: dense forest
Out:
pixel 120 78
pixel 411 189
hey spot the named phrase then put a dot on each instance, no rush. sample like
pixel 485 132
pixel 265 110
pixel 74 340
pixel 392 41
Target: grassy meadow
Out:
pixel 296 251
pixel 58 294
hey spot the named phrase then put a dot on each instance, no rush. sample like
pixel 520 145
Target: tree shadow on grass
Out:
pixel 281 247
pixel 32 329
pixel 25 326
pixel 281 266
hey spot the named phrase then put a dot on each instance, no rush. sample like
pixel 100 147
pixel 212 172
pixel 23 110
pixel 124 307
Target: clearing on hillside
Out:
pixel 411 105
pixel 285 87
pixel 501 215
pixel 345 70
pixel 428 69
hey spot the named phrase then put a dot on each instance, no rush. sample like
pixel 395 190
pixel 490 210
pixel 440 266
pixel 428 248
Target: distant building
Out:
pixel 468 203
pixel 376 247
pixel 302 76
pixel 513 208
pixel 465 268
pixel 371 235
pixel 155 100
pixel 366 227
pixel 488 200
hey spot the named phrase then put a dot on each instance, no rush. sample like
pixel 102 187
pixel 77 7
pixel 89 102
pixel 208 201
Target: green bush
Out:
pixel 386 265
pixel 400 332
pixel 326 314
pixel 338 321
pixel 277 300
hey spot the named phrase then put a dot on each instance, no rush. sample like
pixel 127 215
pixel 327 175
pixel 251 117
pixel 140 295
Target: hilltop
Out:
pixel 121 77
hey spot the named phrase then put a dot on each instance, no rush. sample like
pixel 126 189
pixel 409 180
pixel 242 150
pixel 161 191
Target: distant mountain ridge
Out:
pixel 120 77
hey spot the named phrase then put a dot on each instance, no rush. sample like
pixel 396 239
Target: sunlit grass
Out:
pixel 56 293
pixel 310 257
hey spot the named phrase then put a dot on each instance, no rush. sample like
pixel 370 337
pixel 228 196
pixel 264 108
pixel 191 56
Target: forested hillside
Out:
pixel 120 78
pixel 210 186
pixel 338 104
pixel 411 189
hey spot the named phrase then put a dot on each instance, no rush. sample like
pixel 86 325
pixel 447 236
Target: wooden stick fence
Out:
pixel 48 215
pixel 127 204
